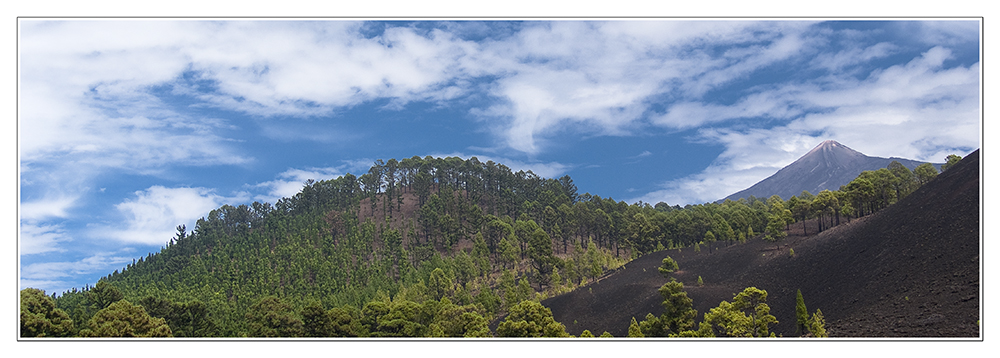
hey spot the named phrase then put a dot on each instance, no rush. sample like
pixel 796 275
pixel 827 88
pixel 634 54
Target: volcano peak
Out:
pixel 826 167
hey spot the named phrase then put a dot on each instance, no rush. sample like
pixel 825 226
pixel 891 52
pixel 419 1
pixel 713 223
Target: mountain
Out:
pixel 826 167
pixel 909 270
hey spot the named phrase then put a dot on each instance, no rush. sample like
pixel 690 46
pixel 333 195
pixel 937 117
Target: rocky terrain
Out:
pixel 910 270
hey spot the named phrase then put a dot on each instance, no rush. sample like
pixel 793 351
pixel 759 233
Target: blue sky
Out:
pixel 128 128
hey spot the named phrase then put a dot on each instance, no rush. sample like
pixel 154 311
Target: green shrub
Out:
pixel 668 266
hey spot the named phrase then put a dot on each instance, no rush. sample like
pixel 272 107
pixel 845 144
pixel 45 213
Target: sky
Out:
pixel 128 128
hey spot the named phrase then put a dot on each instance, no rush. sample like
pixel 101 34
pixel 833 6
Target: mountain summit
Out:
pixel 826 167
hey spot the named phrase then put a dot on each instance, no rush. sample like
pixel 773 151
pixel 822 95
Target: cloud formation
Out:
pixel 152 216
pixel 602 77
pixel 39 239
pixel 290 182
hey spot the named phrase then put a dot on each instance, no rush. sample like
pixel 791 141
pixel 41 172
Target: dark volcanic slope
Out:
pixel 911 270
pixel 826 167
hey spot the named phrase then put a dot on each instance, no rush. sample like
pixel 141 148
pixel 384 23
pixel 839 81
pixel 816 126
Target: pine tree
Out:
pixel 817 325
pixel 651 326
pixel 667 267
pixel 530 319
pixel 951 160
pixel 633 329
pixel 439 284
pixel 747 316
pixel 104 294
pixel 801 314
pixel 678 310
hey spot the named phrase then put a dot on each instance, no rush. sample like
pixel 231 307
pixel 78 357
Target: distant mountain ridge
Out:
pixel 826 167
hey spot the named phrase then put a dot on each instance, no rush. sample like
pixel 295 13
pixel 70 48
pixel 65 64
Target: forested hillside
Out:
pixel 418 247
pixel 495 238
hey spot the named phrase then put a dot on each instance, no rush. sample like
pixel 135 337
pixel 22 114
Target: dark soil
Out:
pixel 910 270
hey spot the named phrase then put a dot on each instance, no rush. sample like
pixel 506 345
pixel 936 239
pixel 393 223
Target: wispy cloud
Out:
pixel 40 238
pixel 599 77
pixel 46 208
pixel 57 277
pixel 853 56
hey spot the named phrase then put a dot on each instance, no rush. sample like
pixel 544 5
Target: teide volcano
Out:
pixel 826 167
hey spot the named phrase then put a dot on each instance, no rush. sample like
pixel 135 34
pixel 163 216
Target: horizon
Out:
pixel 129 128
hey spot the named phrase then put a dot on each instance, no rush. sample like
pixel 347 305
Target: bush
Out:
pixel 668 266
pixel 817 325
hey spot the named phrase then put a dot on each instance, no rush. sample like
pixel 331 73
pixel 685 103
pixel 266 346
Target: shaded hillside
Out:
pixel 826 167
pixel 910 270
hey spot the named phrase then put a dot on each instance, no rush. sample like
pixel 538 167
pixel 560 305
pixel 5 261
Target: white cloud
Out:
pixel 704 187
pixel 780 41
pixel 46 208
pixel 86 108
pixel 598 77
pixel 55 276
pixel 749 157
pixel 290 182
pixel 39 238
pixel 309 68
pixel 589 77
pixel 151 218
pixel 853 56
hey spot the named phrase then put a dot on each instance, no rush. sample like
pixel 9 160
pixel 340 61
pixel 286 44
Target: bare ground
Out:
pixel 910 270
